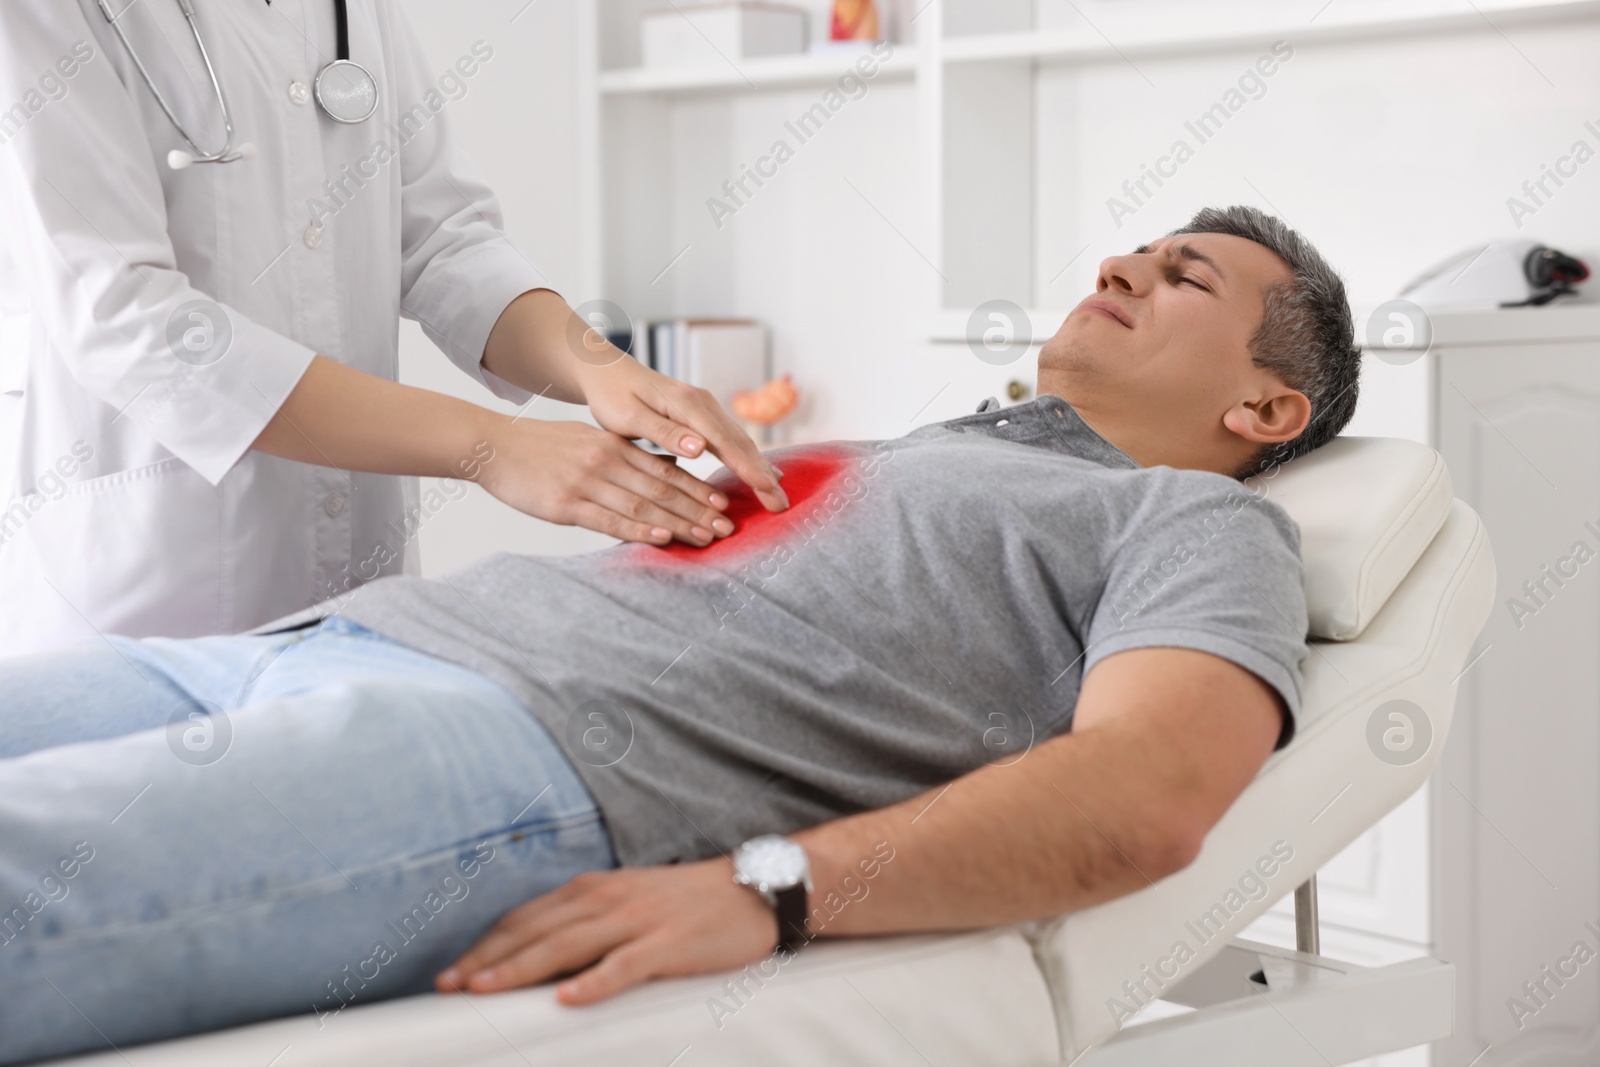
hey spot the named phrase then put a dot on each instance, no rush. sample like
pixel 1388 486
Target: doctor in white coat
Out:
pixel 200 429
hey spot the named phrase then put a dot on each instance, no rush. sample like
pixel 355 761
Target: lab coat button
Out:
pixel 313 236
pixel 299 93
pixel 333 504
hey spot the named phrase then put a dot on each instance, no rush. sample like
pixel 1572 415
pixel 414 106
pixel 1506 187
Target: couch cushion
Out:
pixel 1367 507
pixel 968 998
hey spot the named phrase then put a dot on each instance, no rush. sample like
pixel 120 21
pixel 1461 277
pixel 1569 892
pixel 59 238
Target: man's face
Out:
pixel 1167 331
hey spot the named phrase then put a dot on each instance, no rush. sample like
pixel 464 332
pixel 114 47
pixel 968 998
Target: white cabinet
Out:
pixel 1516 794
pixel 1495 865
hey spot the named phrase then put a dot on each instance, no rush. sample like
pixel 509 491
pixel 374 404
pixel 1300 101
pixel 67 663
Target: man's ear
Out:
pixel 1281 415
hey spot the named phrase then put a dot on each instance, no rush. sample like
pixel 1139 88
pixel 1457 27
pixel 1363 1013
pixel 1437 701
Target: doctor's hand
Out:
pixel 575 475
pixel 619 928
pixel 541 345
pixel 630 399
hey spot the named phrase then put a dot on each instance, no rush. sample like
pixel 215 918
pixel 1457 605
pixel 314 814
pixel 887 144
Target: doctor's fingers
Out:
pixel 676 489
pixel 638 515
pixel 723 436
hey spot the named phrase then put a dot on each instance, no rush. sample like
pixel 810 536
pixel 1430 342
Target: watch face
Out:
pixel 771 862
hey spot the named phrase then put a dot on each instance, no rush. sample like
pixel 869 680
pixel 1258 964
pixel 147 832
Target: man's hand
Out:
pixel 619 928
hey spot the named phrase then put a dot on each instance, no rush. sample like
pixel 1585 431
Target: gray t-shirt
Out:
pixel 927 605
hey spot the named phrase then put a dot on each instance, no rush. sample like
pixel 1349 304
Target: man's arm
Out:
pixel 1163 741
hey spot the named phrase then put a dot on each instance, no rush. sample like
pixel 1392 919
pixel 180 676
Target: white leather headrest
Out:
pixel 1367 507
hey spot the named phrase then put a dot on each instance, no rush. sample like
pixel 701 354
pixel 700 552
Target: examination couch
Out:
pixel 1399 580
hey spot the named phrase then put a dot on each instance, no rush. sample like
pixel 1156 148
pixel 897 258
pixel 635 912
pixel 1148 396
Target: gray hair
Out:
pixel 1306 337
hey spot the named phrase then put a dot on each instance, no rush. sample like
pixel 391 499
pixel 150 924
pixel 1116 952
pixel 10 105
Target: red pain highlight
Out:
pixel 807 477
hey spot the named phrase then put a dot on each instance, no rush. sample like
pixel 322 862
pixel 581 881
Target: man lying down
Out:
pixel 1000 668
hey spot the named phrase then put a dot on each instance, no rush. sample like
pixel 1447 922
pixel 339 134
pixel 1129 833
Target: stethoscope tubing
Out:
pixel 228 153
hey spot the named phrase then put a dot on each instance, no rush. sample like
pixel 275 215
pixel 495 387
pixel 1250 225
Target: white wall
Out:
pixel 1389 153
pixel 517 124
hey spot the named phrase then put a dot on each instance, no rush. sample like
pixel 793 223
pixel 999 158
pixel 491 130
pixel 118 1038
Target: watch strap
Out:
pixel 791 908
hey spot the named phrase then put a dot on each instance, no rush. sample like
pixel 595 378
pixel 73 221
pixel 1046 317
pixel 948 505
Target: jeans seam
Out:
pixel 306 890
pixel 277 651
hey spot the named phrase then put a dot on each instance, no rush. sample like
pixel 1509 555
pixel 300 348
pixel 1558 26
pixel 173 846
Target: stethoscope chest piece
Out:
pixel 347 92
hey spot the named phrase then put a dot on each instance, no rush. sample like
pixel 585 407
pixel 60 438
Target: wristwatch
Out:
pixel 777 868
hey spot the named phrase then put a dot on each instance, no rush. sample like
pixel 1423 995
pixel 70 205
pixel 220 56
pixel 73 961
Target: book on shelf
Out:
pixel 721 356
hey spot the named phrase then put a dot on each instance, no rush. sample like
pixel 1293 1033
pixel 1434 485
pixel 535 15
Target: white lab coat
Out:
pixel 131 501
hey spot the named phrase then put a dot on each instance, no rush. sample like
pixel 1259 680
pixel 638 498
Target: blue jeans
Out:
pixel 197 834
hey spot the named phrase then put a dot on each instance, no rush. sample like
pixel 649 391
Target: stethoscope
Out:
pixel 345 91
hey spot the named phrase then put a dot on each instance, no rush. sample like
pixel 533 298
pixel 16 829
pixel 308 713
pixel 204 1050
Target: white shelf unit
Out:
pixel 975 66
pixel 766 72
pixel 1191 28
